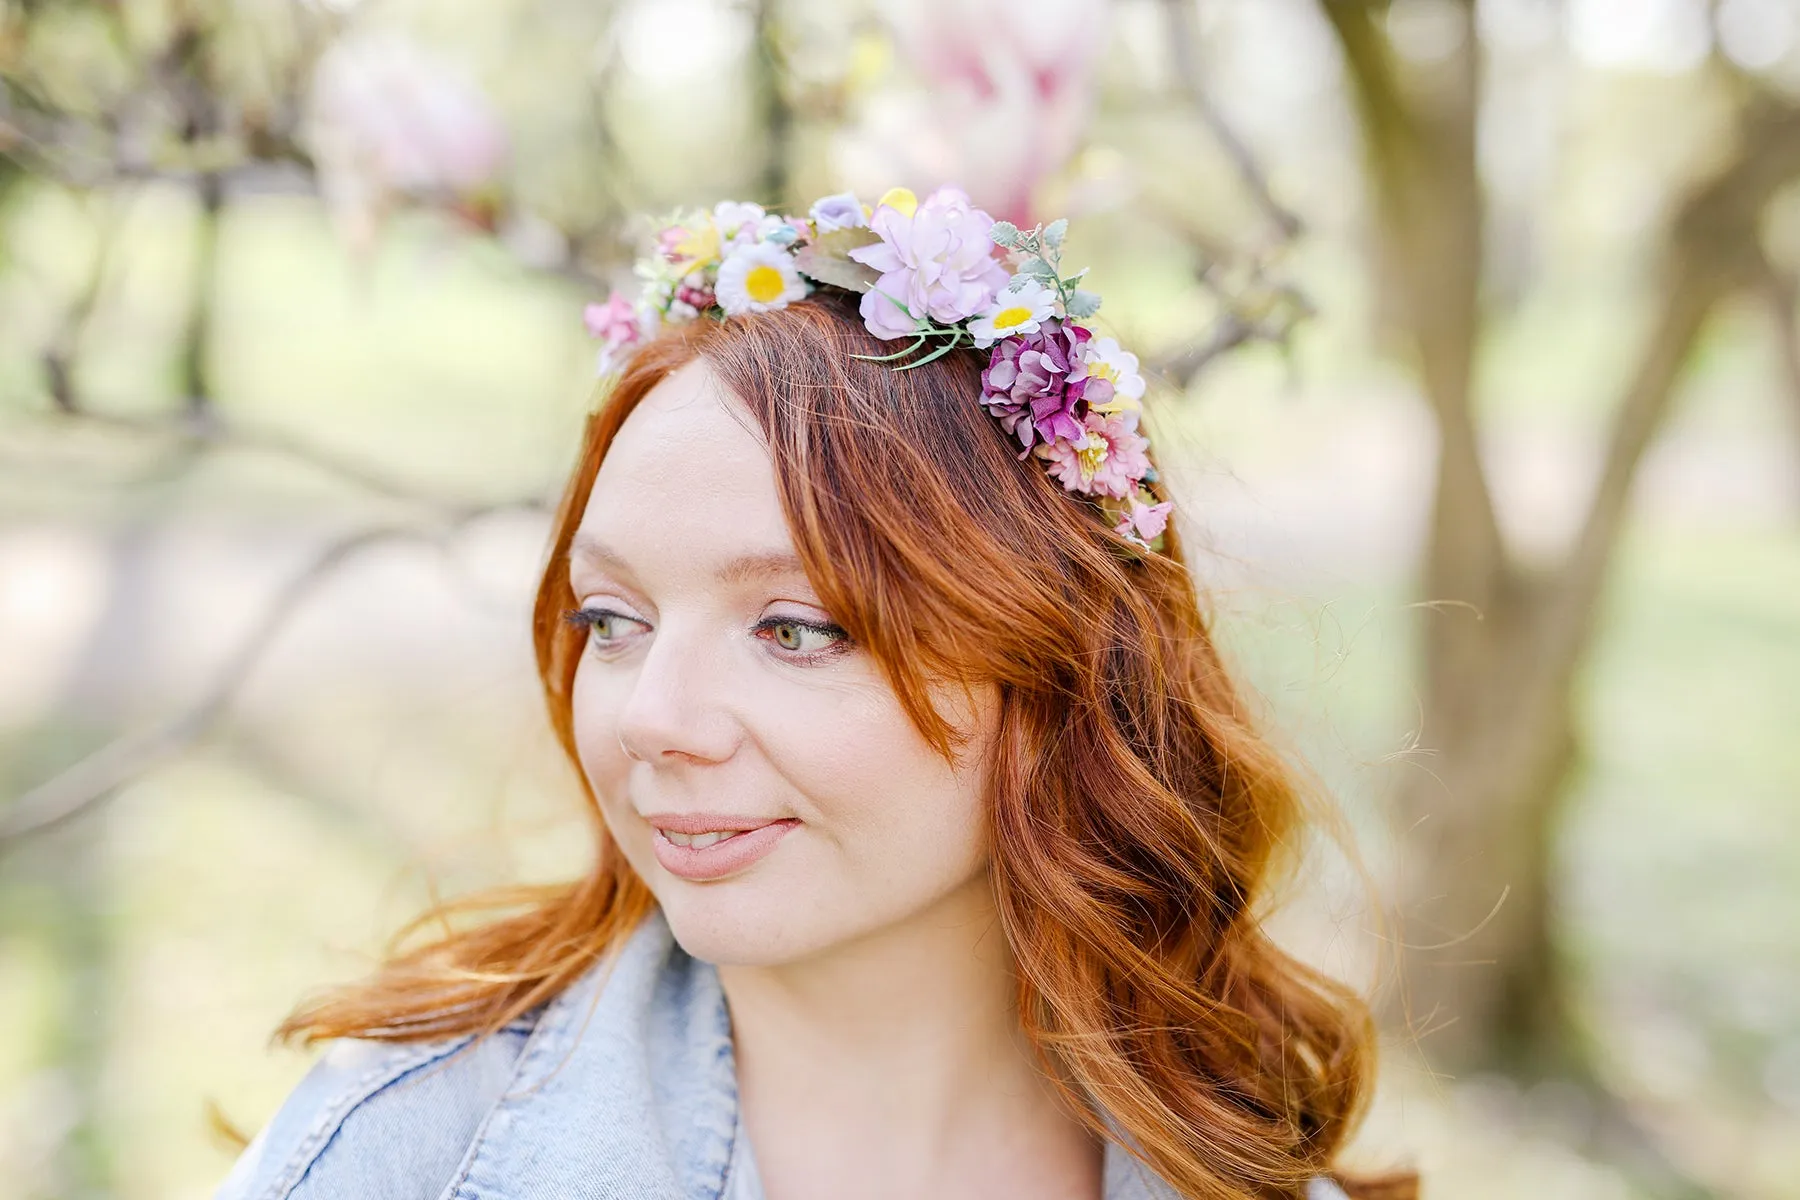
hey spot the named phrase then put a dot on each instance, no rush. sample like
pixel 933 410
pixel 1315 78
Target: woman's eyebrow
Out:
pixel 745 568
pixel 770 564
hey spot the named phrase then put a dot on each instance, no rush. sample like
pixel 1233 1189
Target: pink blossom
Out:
pixel 386 118
pixel 935 262
pixel 1004 97
pixel 1108 461
pixel 1145 521
pixel 617 323
pixel 692 290
pixel 615 320
pixel 668 242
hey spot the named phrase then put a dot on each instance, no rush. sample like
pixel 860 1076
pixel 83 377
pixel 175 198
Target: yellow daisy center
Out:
pixel 1091 456
pixel 1006 318
pixel 764 284
pixel 1102 370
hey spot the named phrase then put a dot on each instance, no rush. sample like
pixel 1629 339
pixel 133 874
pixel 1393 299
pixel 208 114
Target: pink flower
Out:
pixel 616 320
pixel 1145 521
pixel 616 323
pixel 387 118
pixel 669 240
pixel 936 261
pixel 693 291
pixel 1005 98
pixel 1107 461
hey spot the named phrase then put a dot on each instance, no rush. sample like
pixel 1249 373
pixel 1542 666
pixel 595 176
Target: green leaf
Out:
pixel 942 350
pixel 827 259
pixel 1083 303
pixel 1004 233
pixel 920 341
pixel 1039 269
pixel 1055 231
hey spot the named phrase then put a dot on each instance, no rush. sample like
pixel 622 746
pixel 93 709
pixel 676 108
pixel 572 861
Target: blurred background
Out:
pixel 1479 384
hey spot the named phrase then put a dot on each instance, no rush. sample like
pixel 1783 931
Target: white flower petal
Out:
pixel 758 277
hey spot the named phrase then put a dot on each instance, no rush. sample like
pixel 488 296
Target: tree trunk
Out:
pixel 1483 984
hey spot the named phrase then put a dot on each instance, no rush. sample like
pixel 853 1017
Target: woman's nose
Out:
pixel 677 709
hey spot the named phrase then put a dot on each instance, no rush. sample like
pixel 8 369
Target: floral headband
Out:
pixel 945 275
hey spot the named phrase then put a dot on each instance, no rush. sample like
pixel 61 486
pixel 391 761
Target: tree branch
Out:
pixel 1778 289
pixel 1712 249
pixel 1183 36
pixel 94 779
pixel 100 774
pixel 208 430
pixel 1419 138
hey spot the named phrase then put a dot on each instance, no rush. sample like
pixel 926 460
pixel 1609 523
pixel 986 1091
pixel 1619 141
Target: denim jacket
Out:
pixel 627 1095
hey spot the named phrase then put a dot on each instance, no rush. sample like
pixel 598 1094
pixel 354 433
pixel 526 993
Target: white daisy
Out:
pixel 1020 308
pixel 758 277
pixel 739 222
pixel 1105 360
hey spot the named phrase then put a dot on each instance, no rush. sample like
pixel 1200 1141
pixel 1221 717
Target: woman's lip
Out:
pixel 720 859
pixel 693 823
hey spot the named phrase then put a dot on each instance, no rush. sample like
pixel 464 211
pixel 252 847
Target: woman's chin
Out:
pixel 726 926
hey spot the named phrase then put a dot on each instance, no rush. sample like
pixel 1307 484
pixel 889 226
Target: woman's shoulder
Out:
pixel 373 1118
pixel 384 1120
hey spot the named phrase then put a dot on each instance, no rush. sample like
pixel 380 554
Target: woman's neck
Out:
pixel 895 1065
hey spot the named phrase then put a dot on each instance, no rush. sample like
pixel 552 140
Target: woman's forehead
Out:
pixel 687 477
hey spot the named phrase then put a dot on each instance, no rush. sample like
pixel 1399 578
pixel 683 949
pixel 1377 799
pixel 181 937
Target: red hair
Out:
pixel 1134 811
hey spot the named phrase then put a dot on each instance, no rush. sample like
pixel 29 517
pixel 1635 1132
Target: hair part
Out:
pixel 1134 810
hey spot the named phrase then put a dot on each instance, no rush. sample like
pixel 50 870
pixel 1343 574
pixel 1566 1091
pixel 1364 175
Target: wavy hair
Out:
pixel 1134 811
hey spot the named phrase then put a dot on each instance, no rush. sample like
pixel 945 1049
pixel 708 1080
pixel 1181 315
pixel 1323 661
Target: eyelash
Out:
pixel 588 618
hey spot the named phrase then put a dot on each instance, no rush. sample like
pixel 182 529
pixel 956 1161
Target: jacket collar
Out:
pixel 627 1090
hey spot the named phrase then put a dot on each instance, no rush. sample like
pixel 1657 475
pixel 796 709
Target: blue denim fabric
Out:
pixel 624 1087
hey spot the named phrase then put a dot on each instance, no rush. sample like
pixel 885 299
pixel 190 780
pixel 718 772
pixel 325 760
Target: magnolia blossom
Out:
pixel 1019 309
pixel 936 260
pixel 758 277
pixel 385 117
pixel 1107 461
pixel 842 211
pixel 998 97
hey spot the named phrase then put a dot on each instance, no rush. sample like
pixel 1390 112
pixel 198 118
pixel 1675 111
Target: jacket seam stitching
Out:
pixel 319 1136
pixel 543 1031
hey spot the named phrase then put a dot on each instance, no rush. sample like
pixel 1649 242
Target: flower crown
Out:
pixel 944 274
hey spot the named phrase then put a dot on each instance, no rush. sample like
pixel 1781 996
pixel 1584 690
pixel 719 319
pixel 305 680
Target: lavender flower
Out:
pixel 842 211
pixel 936 260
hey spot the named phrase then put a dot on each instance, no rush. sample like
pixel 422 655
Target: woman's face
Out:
pixel 755 767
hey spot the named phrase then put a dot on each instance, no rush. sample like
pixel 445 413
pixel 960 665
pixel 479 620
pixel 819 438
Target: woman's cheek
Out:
pixel 594 705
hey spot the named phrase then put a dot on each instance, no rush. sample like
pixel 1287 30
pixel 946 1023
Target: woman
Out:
pixel 928 827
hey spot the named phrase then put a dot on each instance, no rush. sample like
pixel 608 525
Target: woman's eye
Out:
pixel 603 625
pixel 802 637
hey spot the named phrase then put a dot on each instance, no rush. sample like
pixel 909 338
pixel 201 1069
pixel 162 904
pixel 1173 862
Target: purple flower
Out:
pixel 1037 384
pixel 842 211
pixel 936 260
